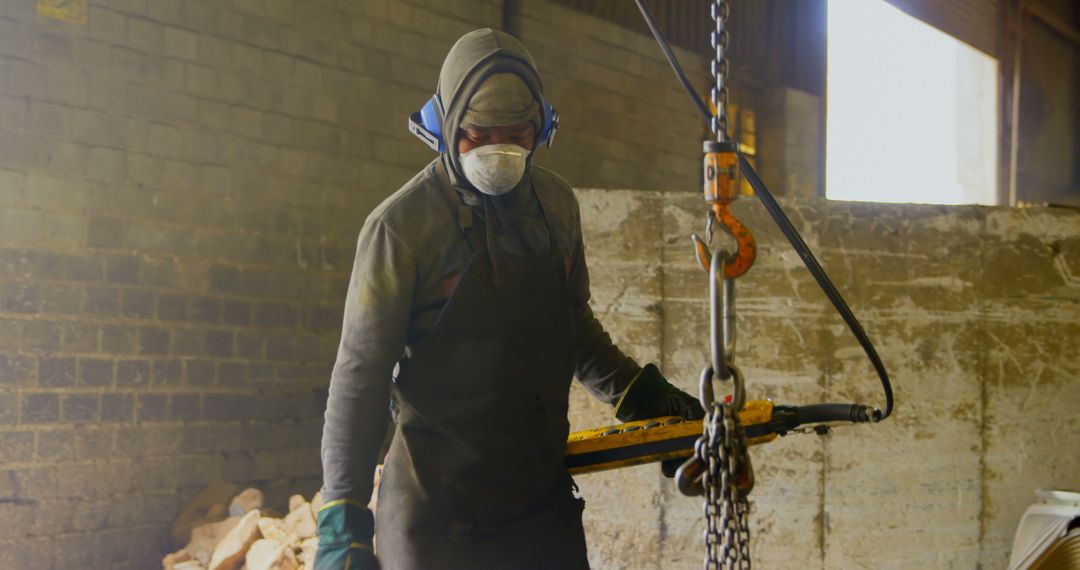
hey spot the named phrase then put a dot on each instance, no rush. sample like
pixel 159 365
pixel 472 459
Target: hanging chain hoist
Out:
pixel 719 466
pixel 720 454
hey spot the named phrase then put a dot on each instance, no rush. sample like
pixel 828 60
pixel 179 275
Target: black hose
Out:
pixel 817 413
pixel 786 227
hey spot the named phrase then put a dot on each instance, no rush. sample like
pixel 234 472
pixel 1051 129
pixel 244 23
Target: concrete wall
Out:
pixel 975 312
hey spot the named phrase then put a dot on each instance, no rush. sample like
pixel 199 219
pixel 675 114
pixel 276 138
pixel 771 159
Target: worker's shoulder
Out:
pixel 416 209
pixel 556 192
pixel 411 194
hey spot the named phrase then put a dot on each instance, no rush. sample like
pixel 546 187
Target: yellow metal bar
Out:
pixel 652 440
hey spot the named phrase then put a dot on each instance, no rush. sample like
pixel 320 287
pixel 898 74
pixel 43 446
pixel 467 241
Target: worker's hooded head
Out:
pixel 488 79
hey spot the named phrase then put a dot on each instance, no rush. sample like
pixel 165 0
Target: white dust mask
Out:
pixel 495 169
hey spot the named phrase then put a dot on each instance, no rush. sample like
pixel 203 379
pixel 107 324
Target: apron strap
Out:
pixel 463 214
pixel 553 245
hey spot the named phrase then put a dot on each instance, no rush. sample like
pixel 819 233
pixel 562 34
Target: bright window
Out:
pixel 911 111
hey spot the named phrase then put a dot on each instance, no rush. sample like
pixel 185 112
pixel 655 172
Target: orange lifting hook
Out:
pixel 721 189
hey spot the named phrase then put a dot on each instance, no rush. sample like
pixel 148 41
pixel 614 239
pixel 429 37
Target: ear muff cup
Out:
pixel 431 116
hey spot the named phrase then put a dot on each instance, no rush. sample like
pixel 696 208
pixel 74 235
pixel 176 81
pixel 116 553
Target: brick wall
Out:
pixel 181 184
pixel 627 121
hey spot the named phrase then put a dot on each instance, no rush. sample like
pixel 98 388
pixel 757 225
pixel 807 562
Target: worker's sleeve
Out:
pixel 377 312
pixel 601 367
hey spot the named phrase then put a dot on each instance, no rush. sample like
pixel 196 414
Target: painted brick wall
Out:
pixel 628 123
pixel 181 184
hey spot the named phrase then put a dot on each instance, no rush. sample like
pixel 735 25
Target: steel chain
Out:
pixel 721 448
pixel 727 531
pixel 718 39
pixel 742 507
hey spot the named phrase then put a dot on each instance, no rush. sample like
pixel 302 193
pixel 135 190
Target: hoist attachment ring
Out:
pixel 707 397
pixel 721 316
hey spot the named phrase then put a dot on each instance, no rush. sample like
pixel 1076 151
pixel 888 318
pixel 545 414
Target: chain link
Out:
pixel 727 530
pixel 719 11
pixel 722 447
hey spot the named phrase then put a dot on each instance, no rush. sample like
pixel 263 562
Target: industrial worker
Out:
pixel 466 318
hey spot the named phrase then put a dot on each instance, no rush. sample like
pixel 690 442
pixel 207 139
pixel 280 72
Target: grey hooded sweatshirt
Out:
pixel 410 254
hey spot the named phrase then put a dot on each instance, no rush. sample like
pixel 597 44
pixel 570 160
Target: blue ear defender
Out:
pixel 426 124
pixel 549 125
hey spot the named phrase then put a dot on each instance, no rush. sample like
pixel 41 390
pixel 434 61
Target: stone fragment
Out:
pixel 171 560
pixel 373 501
pixel 307 551
pixel 271 513
pixel 266 554
pixel 273 529
pixel 295 501
pixel 205 538
pixel 230 552
pixel 218 511
pixel 248 500
pixel 300 523
pixel 211 505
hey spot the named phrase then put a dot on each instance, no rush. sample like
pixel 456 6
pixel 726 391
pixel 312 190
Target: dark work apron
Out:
pixel 474 478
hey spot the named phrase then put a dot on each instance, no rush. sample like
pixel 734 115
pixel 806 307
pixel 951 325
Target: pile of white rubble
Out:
pixel 243 534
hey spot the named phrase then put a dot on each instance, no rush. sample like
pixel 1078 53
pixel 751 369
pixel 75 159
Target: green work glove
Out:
pixel 345 532
pixel 650 395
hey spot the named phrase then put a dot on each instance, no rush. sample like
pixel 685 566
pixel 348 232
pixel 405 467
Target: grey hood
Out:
pixel 471 60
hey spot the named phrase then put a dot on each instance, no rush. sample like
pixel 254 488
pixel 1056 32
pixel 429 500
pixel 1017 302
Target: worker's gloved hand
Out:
pixel 345 533
pixel 650 395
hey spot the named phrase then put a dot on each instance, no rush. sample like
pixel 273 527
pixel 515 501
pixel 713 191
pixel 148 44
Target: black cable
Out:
pixel 820 276
pixel 786 227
